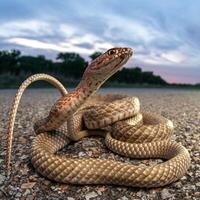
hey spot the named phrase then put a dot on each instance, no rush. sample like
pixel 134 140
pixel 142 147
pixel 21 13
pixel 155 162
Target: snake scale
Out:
pixel 127 129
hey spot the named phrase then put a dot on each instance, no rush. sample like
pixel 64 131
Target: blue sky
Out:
pixel 165 35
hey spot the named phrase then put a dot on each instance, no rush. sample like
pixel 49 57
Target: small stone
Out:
pixel 91 195
pixel 187 128
pixel 63 187
pixel 198 184
pixel 197 194
pixel 184 178
pixel 18 195
pixel 52 187
pixel 189 187
pixel 24 157
pixel 190 174
pixel 165 194
pixel 27 192
pixel 89 153
pixel 3 153
pixel 70 198
pixel 30 197
pixel 178 184
pixel 88 143
pixel 24 171
pixel 101 189
pixel 2 179
pixel 81 154
pixel 46 182
pixel 28 185
pixel 140 193
pixel 195 158
pixel 124 198
pixel 22 140
pixel 93 150
pixel 32 178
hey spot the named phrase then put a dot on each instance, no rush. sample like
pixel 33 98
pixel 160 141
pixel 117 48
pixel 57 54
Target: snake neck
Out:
pixel 88 86
pixel 85 89
pixel 67 105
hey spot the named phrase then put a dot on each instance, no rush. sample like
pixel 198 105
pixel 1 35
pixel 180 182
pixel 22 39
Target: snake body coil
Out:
pixel 128 131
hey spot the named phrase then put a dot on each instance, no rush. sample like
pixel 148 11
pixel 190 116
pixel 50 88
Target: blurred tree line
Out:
pixel 70 66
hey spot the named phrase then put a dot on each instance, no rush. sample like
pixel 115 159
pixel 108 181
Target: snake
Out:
pixel 127 129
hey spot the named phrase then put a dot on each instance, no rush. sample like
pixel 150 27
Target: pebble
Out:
pixel 70 198
pixel 46 182
pixel 30 197
pixel 33 178
pixel 100 190
pixel 3 153
pixel 182 107
pixel 81 154
pixel 91 195
pixel 2 179
pixel 88 143
pixel 188 128
pixel 22 140
pixel 198 184
pixel 18 194
pixel 197 194
pixel 140 193
pixel 178 185
pixel 28 185
pixel 26 192
pixel 165 194
pixel 124 198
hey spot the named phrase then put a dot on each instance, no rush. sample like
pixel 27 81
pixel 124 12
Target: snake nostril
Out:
pixel 130 51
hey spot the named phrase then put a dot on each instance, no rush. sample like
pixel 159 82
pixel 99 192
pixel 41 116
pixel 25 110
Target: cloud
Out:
pixel 174 57
pixel 162 34
pixel 49 46
pixel 25 28
pixel 172 73
pixel 35 44
pixel 69 46
pixel 67 30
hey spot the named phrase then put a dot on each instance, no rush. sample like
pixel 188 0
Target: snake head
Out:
pixel 108 63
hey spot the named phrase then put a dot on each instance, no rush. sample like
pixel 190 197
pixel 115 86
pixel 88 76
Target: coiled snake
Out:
pixel 127 131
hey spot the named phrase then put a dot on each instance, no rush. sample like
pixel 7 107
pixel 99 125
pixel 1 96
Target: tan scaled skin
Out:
pixel 94 76
pixel 129 136
pixel 115 57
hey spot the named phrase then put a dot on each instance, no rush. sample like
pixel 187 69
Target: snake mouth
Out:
pixel 124 58
pixel 130 52
pixel 117 66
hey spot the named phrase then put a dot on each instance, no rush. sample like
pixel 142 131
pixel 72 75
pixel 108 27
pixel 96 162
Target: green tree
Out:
pixel 95 55
pixel 39 64
pixel 73 64
pixel 9 61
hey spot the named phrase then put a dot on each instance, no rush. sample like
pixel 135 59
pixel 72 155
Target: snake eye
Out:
pixel 112 52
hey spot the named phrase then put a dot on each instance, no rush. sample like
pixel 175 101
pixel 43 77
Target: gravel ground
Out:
pixel 181 106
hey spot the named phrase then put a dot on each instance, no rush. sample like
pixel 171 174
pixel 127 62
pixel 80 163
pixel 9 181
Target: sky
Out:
pixel 165 35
